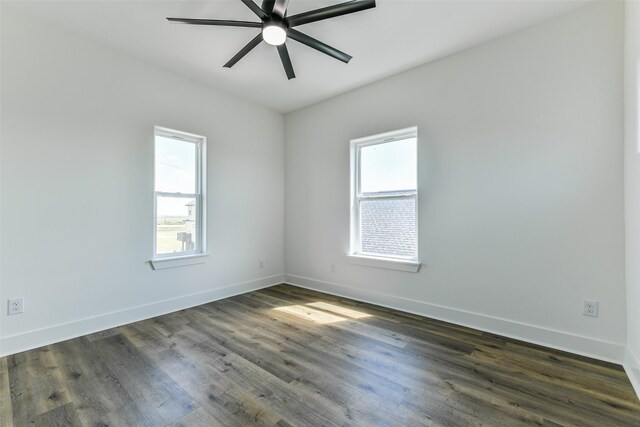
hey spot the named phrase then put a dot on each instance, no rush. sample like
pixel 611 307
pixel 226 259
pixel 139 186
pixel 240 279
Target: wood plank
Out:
pixel 36 384
pixel 197 418
pixel 95 390
pixel 6 413
pixel 161 399
pixel 298 407
pixel 578 365
pixel 510 384
pixel 102 334
pixel 230 404
pixel 62 416
pixel 613 392
pixel 239 341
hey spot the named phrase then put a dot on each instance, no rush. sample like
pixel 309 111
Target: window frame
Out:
pixel 199 196
pixel 355 249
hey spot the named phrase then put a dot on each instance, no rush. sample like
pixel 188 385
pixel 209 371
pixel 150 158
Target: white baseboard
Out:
pixel 37 338
pixel 578 344
pixel 632 367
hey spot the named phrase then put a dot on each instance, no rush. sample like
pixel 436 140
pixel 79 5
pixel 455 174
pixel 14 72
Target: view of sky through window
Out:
pixel 388 167
pixel 175 173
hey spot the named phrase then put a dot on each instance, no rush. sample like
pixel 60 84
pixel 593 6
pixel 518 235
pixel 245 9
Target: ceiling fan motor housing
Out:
pixel 274 31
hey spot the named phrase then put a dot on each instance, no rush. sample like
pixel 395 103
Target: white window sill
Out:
pixel 178 261
pixel 389 263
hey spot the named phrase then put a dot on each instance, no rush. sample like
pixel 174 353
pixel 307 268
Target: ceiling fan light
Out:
pixel 274 34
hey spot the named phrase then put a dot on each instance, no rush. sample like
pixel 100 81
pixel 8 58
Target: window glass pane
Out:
pixel 175 225
pixel 388 167
pixel 175 165
pixel 388 227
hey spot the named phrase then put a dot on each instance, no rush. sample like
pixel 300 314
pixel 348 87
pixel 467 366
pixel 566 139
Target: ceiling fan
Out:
pixel 276 27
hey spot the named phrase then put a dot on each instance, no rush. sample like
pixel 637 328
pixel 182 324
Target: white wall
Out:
pixel 520 181
pixel 632 190
pixel 77 186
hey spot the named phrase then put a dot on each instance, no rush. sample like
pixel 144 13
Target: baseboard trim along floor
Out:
pixel 36 338
pixel 632 368
pixel 577 344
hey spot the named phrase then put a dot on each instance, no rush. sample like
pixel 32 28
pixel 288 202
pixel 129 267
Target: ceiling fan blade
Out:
pixel 318 45
pixel 238 56
pixel 330 12
pixel 222 22
pixel 286 61
pixel 255 9
pixel 280 7
pixel 267 5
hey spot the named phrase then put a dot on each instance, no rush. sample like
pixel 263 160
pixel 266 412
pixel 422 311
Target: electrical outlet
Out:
pixel 261 264
pixel 15 306
pixel 590 308
pixel 333 268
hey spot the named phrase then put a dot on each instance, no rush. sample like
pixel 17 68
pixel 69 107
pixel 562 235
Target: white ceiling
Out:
pixel 397 35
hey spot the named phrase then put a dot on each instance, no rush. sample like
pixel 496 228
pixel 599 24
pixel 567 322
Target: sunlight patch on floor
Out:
pixel 338 314
pixel 339 310
pixel 308 313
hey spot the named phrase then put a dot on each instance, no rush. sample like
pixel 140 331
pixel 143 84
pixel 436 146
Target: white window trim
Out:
pixel 178 261
pixel 355 255
pixel 388 263
pixel 199 254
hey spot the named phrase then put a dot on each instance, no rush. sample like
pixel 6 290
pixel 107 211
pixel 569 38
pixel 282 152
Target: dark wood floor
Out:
pixel 287 356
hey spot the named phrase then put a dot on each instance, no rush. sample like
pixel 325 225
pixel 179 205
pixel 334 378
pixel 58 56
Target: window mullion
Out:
pixel 178 195
pixel 389 197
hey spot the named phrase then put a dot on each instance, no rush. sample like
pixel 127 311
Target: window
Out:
pixel 384 199
pixel 179 207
